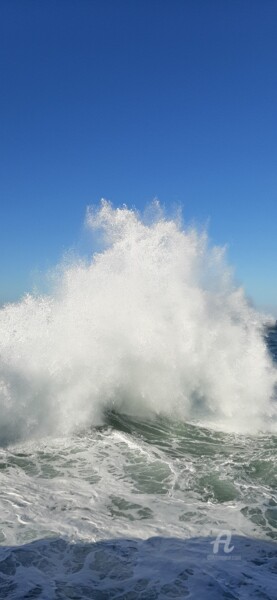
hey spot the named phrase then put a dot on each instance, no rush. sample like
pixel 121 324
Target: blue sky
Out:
pixel 131 100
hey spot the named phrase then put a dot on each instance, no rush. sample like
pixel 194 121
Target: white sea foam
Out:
pixel 153 324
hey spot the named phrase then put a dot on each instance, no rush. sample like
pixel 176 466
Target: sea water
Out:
pixel 138 425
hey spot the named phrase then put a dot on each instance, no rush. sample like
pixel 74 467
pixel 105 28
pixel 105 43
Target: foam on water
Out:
pixel 133 510
pixel 153 324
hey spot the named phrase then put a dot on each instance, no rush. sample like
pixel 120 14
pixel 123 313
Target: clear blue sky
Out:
pixel 131 100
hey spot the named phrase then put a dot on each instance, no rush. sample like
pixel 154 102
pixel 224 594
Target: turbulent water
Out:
pixel 138 425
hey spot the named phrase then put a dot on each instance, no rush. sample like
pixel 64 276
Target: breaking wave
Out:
pixel 153 324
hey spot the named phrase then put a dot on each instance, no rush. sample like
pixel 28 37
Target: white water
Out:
pixel 153 324
pixel 78 515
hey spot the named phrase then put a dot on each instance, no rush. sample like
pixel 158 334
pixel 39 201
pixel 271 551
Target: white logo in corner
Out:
pixel 223 538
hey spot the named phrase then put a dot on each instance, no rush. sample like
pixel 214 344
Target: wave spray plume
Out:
pixel 153 324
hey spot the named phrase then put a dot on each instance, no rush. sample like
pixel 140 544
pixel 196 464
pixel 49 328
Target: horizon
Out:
pixel 134 101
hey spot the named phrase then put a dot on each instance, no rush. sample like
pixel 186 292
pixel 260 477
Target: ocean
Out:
pixel 138 424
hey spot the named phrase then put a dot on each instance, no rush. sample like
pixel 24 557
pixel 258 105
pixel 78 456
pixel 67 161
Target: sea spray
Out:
pixel 153 324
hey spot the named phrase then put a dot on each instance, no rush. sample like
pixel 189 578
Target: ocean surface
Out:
pixel 138 426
